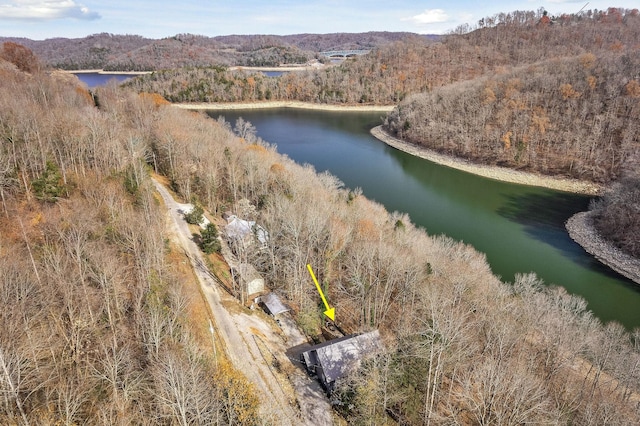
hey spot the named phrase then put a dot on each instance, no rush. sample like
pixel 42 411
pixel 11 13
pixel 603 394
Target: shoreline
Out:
pixel 283 68
pixel 281 104
pixel 579 226
pixel 492 172
pixel 581 230
pixel 100 71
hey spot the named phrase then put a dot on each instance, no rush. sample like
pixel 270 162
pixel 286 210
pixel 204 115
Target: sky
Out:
pixel 38 20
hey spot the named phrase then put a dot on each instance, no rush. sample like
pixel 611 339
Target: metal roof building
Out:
pixel 334 359
pixel 272 303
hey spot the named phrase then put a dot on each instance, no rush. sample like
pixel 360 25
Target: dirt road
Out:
pixel 254 345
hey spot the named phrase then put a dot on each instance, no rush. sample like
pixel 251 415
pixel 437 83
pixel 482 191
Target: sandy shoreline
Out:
pixel 582 231
pixel 98 71
pixel 282 104
pixel 492 172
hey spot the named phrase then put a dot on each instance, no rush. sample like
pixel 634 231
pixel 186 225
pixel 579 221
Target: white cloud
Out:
pixel 430 16
pixel 45 10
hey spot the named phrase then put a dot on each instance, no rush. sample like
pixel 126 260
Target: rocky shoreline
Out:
pixel 492 172
pixel 582 231
pixel 282 104
pixel 580 226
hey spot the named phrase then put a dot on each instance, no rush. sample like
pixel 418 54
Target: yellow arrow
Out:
pixel 330 312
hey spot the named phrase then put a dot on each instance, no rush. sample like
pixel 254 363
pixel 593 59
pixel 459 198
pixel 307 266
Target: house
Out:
pixel 238 229
pixel 331 360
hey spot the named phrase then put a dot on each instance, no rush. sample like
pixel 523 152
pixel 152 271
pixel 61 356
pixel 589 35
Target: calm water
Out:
pixel 521 229
pixel 93 79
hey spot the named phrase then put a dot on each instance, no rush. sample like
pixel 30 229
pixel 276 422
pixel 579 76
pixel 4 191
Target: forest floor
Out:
pixel 253 342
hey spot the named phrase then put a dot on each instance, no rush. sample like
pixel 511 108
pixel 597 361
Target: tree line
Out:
pixel 414 64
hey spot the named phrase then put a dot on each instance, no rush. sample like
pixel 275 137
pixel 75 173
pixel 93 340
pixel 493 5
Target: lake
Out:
pixel 519 228
pixel 94 79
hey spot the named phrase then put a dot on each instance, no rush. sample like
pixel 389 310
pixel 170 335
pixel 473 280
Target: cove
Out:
pixel 519 228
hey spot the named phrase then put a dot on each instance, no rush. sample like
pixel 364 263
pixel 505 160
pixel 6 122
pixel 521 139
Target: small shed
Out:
pixel 334 359
pixel 272 304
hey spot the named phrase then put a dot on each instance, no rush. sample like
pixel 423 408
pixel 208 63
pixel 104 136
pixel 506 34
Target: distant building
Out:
pixel 334 359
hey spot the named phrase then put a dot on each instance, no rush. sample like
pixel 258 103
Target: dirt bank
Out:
pixel 492 172
pixel 282 104
pixel 582 231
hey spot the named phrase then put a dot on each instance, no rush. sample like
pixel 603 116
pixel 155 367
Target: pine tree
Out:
pixel 209 242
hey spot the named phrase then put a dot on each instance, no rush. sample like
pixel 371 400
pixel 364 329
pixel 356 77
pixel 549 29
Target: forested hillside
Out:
pixel 575 116
pixel 617 214
pixel 566 108
pixel 114 52
pixel 415 64
pixel 98 326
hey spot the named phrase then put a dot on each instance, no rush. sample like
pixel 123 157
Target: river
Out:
pixel 519 228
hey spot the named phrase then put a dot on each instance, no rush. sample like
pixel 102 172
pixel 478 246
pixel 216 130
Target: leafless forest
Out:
pixel 114 52
pixel 557 98
pixel 99 325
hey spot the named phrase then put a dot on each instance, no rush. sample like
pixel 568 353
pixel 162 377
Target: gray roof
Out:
pixel 239 228
pixel 338 357
pixel 273 303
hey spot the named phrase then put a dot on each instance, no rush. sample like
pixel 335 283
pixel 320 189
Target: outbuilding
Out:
pixel 272 304
pixel 238 229
pixel 331 360
pixel 248 282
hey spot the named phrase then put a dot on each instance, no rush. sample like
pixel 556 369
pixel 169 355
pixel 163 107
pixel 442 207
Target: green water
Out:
pixel 519 228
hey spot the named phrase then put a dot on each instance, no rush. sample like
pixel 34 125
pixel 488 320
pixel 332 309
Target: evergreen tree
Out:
pixel 195 216
pixel 209 242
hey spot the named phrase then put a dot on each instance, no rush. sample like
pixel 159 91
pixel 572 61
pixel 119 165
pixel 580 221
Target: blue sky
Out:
pixel 37 19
